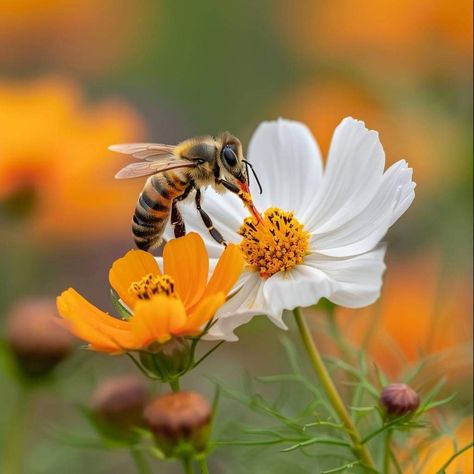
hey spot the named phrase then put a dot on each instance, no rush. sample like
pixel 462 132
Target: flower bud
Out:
pixel 399 399
pixel 168 360
pixel 37 337
pixel 177 418
pixel 117 405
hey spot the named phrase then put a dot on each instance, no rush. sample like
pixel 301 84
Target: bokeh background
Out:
pixel 76 77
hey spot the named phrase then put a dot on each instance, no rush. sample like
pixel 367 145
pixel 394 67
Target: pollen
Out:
pixel 277 244
pixel 151 285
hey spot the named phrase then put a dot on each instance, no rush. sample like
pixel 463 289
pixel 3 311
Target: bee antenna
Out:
pixel 247 170
pixel 247 164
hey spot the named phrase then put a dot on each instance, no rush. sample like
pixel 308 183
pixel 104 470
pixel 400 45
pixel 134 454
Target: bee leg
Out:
pixel 215 234
pixel 177 220
pixel 233 188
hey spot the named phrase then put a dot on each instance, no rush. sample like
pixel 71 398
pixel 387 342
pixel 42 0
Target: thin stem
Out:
pixel 140 461
pixel 208 353
pixel 13 447
pixel 387 452
pixel 203 466
pixel 385 427
pixel 453 457
pixel 174 384
pixel 331 390
pixel 188 468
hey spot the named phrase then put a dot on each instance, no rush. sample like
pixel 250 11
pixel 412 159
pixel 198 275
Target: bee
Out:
pixel 176 172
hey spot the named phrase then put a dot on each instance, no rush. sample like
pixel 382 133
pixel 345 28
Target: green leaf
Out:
pixel 341 468
pixel 318 440
pixel 121 309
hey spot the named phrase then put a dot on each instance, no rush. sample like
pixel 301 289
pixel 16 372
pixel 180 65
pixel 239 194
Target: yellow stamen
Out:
pixel 151 285
pixel 276 245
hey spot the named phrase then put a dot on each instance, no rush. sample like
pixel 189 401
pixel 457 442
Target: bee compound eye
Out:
pixel 229 156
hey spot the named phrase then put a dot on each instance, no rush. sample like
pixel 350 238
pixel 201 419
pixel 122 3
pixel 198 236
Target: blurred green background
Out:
pixel 76 77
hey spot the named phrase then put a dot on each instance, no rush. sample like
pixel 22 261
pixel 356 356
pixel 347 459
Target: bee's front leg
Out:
pixel 245 197
pixel 215 234
pixel 233 188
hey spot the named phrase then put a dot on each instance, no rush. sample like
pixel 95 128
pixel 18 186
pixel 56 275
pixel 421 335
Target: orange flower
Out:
pixel 416 317
pixel 399 33
pixel 176 303
pixel 56 145
pixel 432 457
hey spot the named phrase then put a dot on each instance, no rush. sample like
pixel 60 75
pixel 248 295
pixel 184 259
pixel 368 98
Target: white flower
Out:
pixel 340 215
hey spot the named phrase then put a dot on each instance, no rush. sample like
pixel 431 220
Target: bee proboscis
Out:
pixel 176 172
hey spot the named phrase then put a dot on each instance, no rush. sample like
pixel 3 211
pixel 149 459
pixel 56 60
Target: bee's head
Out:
pixel 231 161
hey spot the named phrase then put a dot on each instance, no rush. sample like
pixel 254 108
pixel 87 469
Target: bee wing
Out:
pixel 145 168
pixel 144 151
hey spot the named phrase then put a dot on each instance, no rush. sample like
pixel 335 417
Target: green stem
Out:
pixel 453 457
pixel 203 466
pixel 387 452
pixel 140 461
pixel 174 384
pixel 188 468
pixel 13 448
pixel 331 391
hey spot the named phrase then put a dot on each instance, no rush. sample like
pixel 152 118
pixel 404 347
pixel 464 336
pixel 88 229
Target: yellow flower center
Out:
pixel 151 285
pixel 276 245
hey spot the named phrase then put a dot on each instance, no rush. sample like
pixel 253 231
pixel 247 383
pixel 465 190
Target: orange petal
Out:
pixel 203 312
pixel 91 324
pixel 133 266
pixel 227 271
pixel 185 259
pixel 157 319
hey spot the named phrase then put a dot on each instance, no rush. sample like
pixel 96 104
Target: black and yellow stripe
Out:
pixel 153 208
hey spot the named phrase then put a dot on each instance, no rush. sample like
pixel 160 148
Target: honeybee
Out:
pixel 177 171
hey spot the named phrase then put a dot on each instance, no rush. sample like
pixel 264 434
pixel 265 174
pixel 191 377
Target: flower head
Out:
pixel 162 306
pixel 322 228
pixel 179 417
pixel 61 174
pixel 35 336
pixel 398 399
pixel 117 404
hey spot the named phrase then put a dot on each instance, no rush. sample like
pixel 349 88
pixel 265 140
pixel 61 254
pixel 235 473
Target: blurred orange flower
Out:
pixel 56 144
pixel 398 33
pixel 418 315
pixel 433 456
pixel 177 303
pixel 405 131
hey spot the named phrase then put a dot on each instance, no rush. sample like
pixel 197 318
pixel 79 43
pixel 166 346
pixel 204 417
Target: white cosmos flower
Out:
pixel 344 210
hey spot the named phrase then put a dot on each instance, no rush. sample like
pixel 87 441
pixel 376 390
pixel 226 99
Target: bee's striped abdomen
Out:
pixel 153 208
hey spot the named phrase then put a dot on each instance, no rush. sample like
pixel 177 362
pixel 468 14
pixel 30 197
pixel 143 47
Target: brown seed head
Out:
pixel 181 416
pixel 399 399
pixel 37 336
pixel 119 402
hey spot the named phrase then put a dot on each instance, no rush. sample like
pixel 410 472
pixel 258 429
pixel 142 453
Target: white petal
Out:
pixel 355 281
pixel 354 168
pixel 288 162
pixel 241 308
pixel 303 286
pixel 405 198
pixel 365 230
